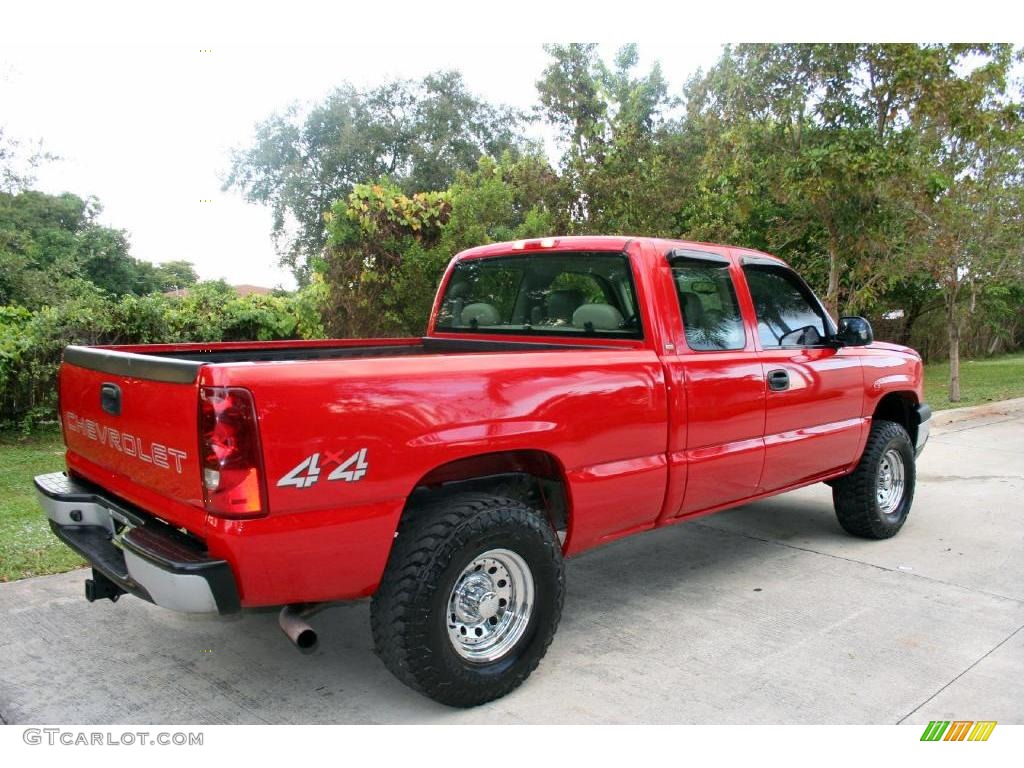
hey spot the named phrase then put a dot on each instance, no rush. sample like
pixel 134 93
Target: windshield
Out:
pixel 570 294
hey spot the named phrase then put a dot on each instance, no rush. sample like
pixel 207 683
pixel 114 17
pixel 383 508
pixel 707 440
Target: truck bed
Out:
pixel 251 352
pixel 412 410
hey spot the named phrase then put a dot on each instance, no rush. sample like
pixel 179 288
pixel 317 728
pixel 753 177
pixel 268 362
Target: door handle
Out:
pixel 778 380
pixel 110 398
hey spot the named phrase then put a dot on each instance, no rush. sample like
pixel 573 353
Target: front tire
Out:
pixel 873 501
pixel 470 599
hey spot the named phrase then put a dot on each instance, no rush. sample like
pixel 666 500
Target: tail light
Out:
pixel 229 449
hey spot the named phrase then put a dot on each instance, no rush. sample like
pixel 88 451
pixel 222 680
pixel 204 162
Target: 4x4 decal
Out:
pixel 308 471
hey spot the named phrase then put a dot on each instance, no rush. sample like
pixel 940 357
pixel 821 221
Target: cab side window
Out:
pixel 787 315
pixel 707 300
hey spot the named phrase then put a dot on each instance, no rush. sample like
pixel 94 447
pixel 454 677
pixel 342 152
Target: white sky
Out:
pixel 148 131
pixel 147 127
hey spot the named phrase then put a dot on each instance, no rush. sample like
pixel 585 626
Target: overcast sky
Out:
pixel 145 121
pixel 148 131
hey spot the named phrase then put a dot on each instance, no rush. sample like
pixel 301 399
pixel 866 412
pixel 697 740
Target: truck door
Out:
pixel 718 442
pixel 815 390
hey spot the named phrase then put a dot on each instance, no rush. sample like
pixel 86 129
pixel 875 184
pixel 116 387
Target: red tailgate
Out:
pixel 132 428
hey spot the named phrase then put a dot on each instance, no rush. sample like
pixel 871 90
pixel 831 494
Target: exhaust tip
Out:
pixel 295 627
pixel 306 641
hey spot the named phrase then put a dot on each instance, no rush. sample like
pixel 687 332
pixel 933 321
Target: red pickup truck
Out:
pixel 569 391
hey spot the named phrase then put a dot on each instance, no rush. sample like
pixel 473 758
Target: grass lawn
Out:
pixel 27 546
pixel 981 381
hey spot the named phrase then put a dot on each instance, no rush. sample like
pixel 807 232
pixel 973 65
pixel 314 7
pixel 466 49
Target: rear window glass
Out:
pixel 568 294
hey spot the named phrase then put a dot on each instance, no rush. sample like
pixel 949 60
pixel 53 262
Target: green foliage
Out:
pixel 66 279
pixel 387 250
pixel 171 275
pixel 259 318
pixel 418 135
pixel 377 240
pixel 308 308
pixel 965 183
pixel 824 154
pixel 31 343
pixel 382 211
pixel 618 173
pixel 52 248
pixel 501 200
pixel 889 175
pixel 803 160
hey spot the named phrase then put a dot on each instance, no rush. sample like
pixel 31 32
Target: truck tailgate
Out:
pixel 137 421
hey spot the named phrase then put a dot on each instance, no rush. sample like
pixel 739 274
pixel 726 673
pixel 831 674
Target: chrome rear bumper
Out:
pixel 139 554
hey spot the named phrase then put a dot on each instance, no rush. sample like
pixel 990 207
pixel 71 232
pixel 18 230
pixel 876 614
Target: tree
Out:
pixel 417 135
pixel 804 149
pixel 508 199
pixel 17 161
pixel 967 190
pixel 52 247
pixel 39 246
pixel 387 250
pixel 376 235
pixel 172 275
pixel 617 160
pixel 104 260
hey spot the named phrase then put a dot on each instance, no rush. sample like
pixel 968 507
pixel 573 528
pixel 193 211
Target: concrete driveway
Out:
pixel 764 614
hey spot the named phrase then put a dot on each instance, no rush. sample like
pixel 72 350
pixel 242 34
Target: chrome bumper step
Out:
pixel 139 554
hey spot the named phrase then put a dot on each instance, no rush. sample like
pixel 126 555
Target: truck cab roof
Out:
pixel 617 243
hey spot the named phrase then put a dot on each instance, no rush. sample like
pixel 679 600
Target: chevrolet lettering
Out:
pixel 130 445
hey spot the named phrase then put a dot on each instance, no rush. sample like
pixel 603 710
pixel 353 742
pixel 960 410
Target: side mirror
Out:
pixel 807 336
pixel 854 332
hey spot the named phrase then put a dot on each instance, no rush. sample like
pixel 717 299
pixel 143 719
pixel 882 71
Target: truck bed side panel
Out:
pixel 600 413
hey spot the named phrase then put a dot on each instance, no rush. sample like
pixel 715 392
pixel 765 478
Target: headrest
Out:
pixel 597 317
pixel 483 314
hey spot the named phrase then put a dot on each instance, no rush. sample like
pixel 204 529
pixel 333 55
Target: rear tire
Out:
pixel 873 501
pixel 470 599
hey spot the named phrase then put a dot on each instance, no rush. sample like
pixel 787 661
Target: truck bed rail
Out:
pixel 168 369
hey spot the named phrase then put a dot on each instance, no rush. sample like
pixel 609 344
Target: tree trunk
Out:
pixel 832 294
pixel 908 327
pixel 953 326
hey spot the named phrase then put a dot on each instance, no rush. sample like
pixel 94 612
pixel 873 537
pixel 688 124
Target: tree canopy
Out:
pixel 417 134
pixel 52 247
pixel 889 175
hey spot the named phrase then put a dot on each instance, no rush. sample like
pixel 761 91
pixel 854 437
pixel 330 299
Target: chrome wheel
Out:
pixel 490 605
pixel 891 482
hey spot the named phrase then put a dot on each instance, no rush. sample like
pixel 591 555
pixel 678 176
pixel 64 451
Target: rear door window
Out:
pixel 707 301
